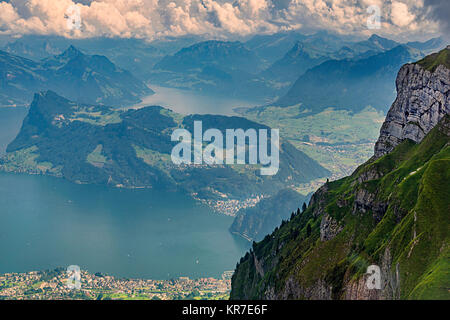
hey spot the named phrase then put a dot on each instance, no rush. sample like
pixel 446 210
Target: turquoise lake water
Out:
pixel 47 222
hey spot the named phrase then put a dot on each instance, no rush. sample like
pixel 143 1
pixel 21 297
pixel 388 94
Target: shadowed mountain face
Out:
pixel 230 56
pixel 272 47
pixel 313 50
pixel 350 84
pixel 210 66
pixel 81 77
pixel 135 55
pixel 310 52
pixel 374 43
pixel 299 59
pixel 37 47
pixel 256 222
pixel 392 212
pixel 96 144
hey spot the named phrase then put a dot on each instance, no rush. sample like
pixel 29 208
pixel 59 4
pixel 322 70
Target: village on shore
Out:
pixel 53 285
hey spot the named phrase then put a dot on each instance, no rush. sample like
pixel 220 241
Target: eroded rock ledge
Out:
pixel 422 100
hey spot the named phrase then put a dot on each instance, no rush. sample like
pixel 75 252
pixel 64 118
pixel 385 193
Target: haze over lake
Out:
pixel 189 102
pixel 47 222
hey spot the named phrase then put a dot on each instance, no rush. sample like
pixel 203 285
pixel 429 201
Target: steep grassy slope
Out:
pixel 392 212
pixel 432 61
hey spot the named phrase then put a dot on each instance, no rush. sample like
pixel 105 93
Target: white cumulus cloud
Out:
pixel 220 18
pixel 400 14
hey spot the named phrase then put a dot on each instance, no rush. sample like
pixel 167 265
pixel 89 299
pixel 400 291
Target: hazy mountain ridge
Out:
pixel 358 74
pixel 237 69
pixel 306 54
pixel 393 211
pixel 222 54
pixel 18 76
pixel 261 68
pixel 81 77
pixel 265 67
pixel 135 55
pixel 350 84
pixel 273 47
pixel 295 62
pixel 218 67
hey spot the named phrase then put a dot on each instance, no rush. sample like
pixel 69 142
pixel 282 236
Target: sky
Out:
pixel 227 19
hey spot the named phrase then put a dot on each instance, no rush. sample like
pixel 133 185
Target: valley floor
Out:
pixel 338 139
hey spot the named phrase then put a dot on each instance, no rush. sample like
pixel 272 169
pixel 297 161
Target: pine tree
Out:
pixel 304 207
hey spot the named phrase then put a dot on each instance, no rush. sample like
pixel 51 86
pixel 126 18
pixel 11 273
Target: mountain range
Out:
pixel 350 83
pixel 307 53
pixel 209 66
pixel 135 55
pixel 295 62
pixel 81 77
pixel 254 69
pixel 262 68
pixel 392 212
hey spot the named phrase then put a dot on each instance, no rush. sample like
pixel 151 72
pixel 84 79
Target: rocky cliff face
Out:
pixel 422 100
pixel 393 212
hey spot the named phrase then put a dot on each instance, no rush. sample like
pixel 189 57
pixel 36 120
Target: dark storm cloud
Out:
pixel 439 10
pixel 281 4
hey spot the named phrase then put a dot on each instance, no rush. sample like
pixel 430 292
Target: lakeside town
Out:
pixel 230 207
pixel 55 285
